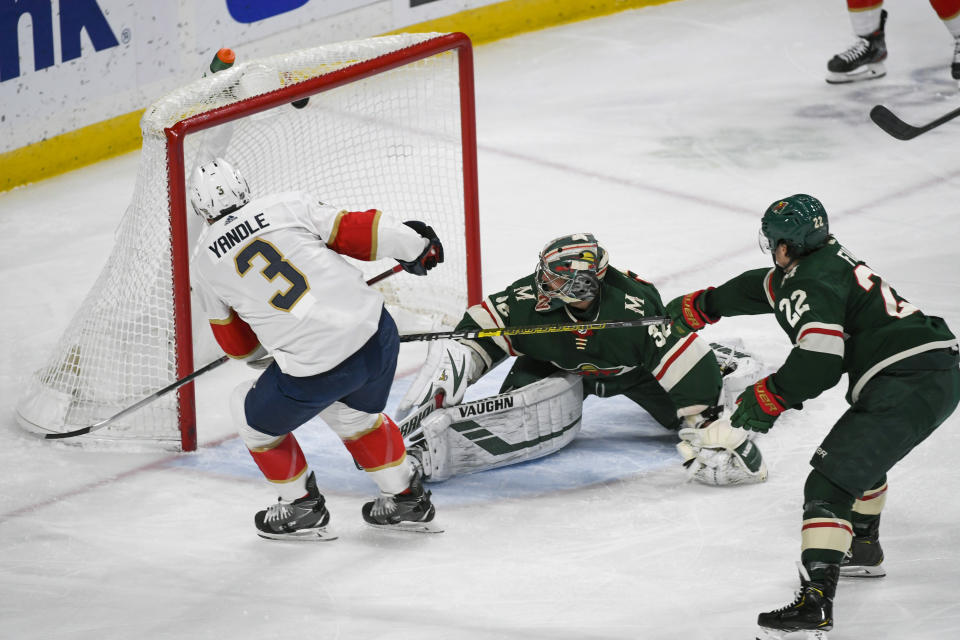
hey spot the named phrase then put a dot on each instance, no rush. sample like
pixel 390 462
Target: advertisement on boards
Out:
pixel 239 21
pixel 407 12
pixel 64 63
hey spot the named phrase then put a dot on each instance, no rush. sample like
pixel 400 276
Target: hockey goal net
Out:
pixel 388 123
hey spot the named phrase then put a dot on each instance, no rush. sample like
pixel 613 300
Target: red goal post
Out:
pixel 390 124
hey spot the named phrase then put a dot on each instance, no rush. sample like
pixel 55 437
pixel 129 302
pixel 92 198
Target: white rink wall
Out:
pixel 70 65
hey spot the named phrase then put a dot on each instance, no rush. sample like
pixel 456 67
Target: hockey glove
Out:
pixel 758 407
pixel 260 359
pixel 718 454
pixel 450 367
pixel 687 314
pixel 432 254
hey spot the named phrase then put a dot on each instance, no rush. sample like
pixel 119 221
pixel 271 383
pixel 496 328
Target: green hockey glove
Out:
pixel 758 407
pixel 687 314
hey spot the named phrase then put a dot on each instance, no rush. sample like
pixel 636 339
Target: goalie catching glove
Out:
pixel 450 367
pixel 717 453
pixel 432 254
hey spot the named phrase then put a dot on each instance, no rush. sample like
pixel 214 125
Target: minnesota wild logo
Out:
pixel 590 370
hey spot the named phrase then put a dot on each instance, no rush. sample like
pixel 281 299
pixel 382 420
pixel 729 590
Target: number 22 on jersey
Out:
pixel 895 305
pixel 276 266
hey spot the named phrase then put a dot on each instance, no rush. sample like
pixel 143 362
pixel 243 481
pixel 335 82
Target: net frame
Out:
pixel 414 48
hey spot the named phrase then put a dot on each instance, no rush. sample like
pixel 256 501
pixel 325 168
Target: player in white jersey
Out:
pixel 269 273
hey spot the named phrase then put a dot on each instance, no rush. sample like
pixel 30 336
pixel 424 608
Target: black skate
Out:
pixel 810 615
pixel 863 60
pixel 407 511
pixel 304 519
pixel 864 559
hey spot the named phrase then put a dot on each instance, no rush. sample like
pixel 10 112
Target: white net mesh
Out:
pixel 391 141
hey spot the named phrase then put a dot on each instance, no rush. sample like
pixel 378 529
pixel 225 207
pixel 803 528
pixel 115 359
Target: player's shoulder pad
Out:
pixel 630 284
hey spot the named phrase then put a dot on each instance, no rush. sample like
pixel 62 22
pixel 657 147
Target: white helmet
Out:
pixel 218 189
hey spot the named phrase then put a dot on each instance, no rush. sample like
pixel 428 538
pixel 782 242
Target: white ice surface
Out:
pixel 665 131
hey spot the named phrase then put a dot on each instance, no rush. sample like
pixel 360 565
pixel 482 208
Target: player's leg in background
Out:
pixel 863 60
pixel 949 12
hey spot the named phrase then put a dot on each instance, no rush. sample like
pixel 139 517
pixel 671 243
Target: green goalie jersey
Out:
pixel 611 361
pixel 840 316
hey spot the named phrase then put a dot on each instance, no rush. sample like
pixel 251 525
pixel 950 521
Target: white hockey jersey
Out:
pixel 271 261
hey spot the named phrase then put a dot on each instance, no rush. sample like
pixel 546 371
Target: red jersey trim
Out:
pixel 234 336
pixel 355 234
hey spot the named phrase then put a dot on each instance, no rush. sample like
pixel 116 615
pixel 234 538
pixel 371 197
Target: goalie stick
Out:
pixel 532 329
pixel 96 426
pixel 889 122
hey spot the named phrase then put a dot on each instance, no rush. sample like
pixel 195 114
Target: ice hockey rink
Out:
pixel 665 131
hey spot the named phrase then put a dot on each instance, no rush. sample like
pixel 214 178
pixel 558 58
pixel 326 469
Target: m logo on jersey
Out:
pixel 524 293
pixel 633 303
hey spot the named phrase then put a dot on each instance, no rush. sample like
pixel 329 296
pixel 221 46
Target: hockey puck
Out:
pixel 300 104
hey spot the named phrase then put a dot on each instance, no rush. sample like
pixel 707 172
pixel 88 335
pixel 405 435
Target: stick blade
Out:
pixel 67 434
pixel 889 122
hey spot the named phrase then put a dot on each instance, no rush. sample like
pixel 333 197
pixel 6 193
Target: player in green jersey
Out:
pixel 904 382
pixel 676 379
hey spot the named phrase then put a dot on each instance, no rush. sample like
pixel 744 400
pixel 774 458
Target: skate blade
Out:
pixel 318 534
pixel 776 634
pixel 863 572
pixel 409 527
pixel 867 72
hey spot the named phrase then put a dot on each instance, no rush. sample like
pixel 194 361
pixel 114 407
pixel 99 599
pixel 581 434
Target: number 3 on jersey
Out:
pixel 276 266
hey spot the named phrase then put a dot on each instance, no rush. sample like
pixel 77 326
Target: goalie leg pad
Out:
pixel 720 454
pixel 524 424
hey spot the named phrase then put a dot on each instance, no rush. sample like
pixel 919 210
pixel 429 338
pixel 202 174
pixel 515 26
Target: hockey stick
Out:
pixel 106 421
pixel 886 120
pixel 96 426
pixel 410 425
pixel 533 329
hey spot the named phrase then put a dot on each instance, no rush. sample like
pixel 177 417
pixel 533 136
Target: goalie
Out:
pixel 677 380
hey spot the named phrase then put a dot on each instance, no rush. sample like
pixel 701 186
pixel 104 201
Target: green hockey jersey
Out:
pixel 840 316
pixel 610 360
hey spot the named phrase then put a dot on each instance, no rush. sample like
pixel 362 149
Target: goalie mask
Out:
pixel 218 189
pixel 570 270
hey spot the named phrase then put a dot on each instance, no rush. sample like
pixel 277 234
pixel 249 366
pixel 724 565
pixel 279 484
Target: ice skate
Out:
pixel 864 559
pixel 863 60
pixel 304 519
pixel 407 511
pixel 809 616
